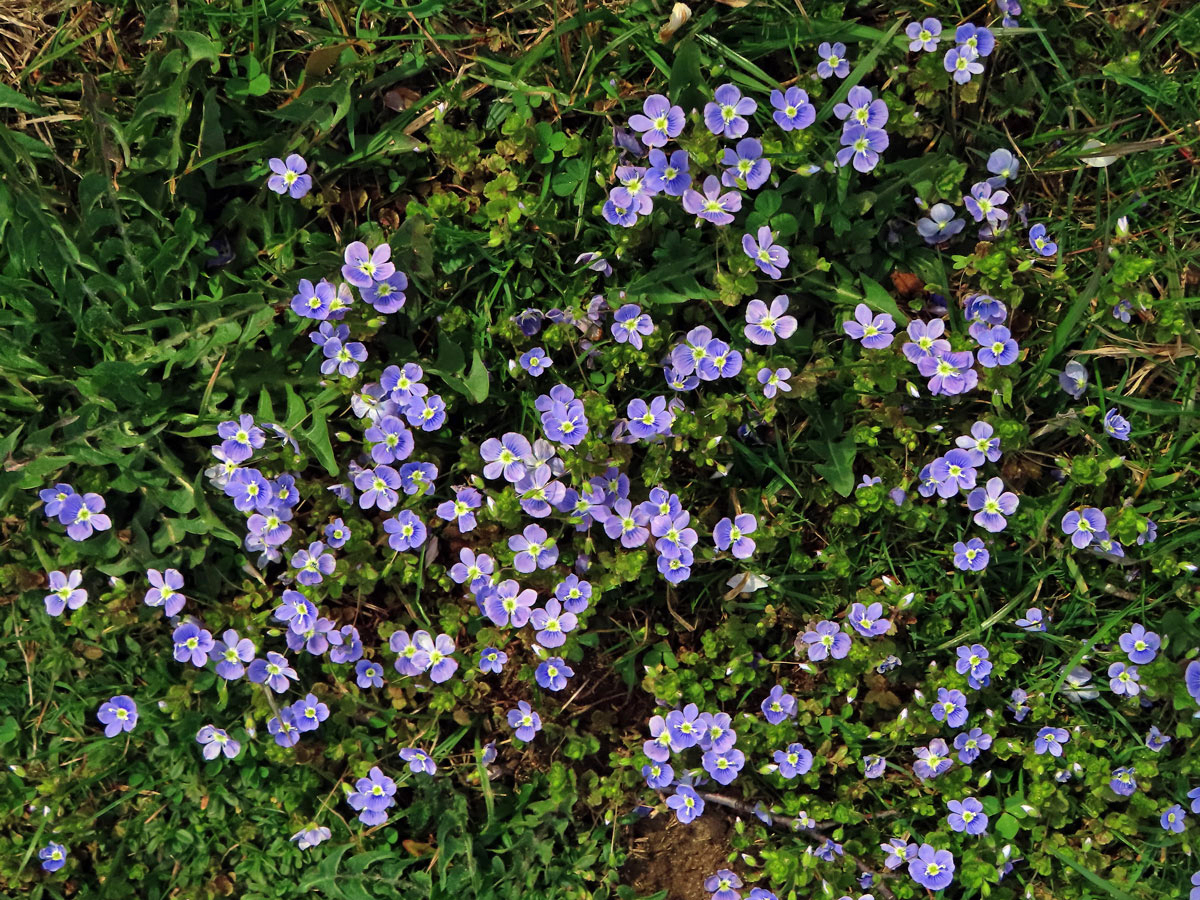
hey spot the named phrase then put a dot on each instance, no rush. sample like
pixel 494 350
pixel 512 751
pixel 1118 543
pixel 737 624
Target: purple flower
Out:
pixel 833 60
pixel 1139 644
pixel 313 564
pixel 862 145
pixel 873 330
pixel 393 442
pixel 940 225
pixel 971 556
pixel 535 361
pixel 553 673
pixel 1123 679
pixel 309 713
pixel 573 593
pixel 53 856
pixel 492 660
pixel 722 885
pixel 83 514
pixel 419 762
pixel 283 728
pixel 1156 740
pixel 967 815
pixel 661 121
pixel 954 472
pixel 507 604
pixel 1191 678
pixel 1050 740
pixel 949 373
pixel 731 534
pixel 970 743
pixel 932 869
pixel 996 347
pixel 427 413
pixel 767 255
pixel 873 766
pixel 861 108
pixel 764 325
pixel 827 640
pixel 933 760
pixel 373 796
pixel 405 531
pixel 924 35
pixel 533 548
pixel 379 488
pixel 387 295
pixel 1083 525
pixel 504 457
pixel 289 177
pixel 1123 782
pixel 899 852
pixel 1116 425
pixel 724 115
pixel 712 205
pixel 981 444
pixel 1039 242
pixel 368 674
pixel 472 570
pixel 669 176
pixel 594 261
pixel 793 761
pixel 230 653
pixel 462 508
pixel 962 63
pixel 867 620
pixel 648 420
pixel 951 708
pixel 274 672
pixel 774 381
pixel 686 803
pixel 778 705
pixel 926 340
pixel 1173 819
pixel 975 38
pixel 524 721
pixel 720 361
pixel 118 714
pixel 1034 620
pixel 314 302
pixel 65 592
pixel 192 644
pixel 621 208
pixel 435 655
pixel 343 358
pixel 552 624
pixel 973 661
pixel 630 323
pixel 54 498
pixel 1073 379
pixel 723 765
pixel 363 267
pixel 746 168
pixel 793 111
pixel 984 203
pixel 406 653
pixel 992 504
pixel 297 610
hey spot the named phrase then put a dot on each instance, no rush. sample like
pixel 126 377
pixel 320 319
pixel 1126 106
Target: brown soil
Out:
pixel 668 856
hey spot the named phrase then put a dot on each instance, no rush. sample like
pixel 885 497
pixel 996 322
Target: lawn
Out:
pixel 738 450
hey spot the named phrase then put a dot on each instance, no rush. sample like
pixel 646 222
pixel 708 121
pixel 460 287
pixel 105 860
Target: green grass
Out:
pixel 133 148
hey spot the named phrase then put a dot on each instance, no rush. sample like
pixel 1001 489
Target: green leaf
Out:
pixel 318 438
pixel 11 99
pixel 879 299
pixel 1007 827
pixel 199 47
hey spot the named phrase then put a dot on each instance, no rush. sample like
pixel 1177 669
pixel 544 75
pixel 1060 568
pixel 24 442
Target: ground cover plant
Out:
pixel 738 450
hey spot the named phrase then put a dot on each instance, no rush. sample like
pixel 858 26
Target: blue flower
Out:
pixel 793 111
pixel 725 114
pixel 833 60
